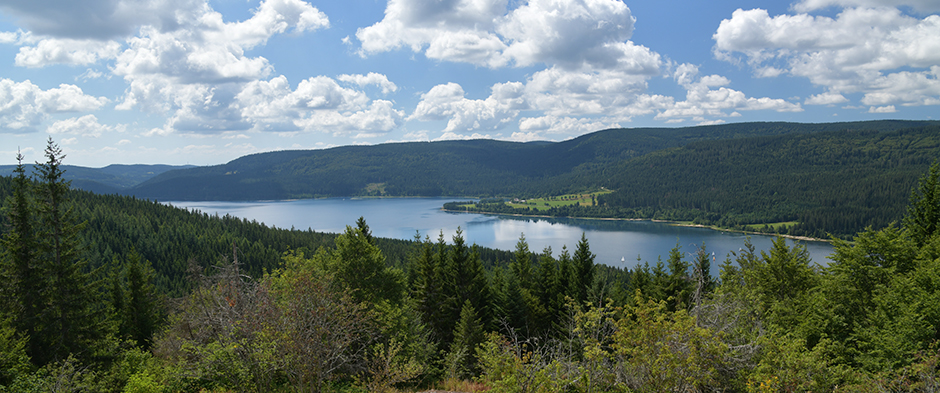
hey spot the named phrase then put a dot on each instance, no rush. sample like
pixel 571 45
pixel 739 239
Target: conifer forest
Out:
pixel 112 293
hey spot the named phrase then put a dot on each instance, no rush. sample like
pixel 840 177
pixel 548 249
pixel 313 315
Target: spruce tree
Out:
pixel 143 308
pixel 70 321
pixel 583 264
pixel 923 213
pixel 25 279
pixel 678 287
pixel 468 333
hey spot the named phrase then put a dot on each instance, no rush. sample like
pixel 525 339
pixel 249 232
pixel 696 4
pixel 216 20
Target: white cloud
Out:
pixel 919 5
pixel 826 99
pixel 66 51
pixel 24 106
pixel 371 79
pixel 465 115
pixel 525 137
pixel 702 99
pixel 86 126
pixel 9 37
pixel 868 50
pixel 563 125
pixel 882 109
pixel 99 19
pixel 318 104
pixel 450 136
pixel 569 33
pixel 200 76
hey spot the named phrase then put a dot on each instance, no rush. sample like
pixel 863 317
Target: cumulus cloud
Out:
pixel 98 19
pixel 24 106
pixel 826 99
pixel 708 96
pixel 201 77
pixel 448 101
pixel 919 5
pixel 66 51
pixel 881 52
pixel 86 126
pixel 371 79
pixel 318 104
pixel 568 33
pixel 533 127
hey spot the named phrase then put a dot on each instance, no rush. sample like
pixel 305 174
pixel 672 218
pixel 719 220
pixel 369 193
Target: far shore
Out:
pixel 676 223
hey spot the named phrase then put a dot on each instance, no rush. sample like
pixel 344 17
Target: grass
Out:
pixel 773 225
pixel 542 204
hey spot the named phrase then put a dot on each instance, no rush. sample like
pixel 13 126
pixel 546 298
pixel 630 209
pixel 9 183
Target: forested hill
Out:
pixel 455 168
pixel 107 180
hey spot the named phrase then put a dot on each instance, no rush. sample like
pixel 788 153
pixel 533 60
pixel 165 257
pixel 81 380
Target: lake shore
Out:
pixel 676 223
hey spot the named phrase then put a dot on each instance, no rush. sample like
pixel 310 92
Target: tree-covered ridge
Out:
pixel 108 180
pixel 455 168
pixel 835 182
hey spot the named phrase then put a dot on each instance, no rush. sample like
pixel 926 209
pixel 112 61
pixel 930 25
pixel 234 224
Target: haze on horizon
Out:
pixel 206 81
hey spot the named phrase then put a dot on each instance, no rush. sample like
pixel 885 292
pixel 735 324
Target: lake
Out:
pixel 616 242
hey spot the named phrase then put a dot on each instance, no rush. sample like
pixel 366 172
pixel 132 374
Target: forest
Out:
pixel 829 183
pixel 831 178
pixel 118 294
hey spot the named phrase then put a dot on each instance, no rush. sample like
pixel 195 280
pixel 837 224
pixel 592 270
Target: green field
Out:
pixel 583 199
pixel 774 226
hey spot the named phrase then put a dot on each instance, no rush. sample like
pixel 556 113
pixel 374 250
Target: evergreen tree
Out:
pixel 466 281
pixel 23 274
pixel 548 291
pixel 70 322
pixel 522 266
pixel 678 287
pixel 364 228
pixel 583 264
pixel 923 212
pixel 701 274
pixel 360 267
pixel 468 334
pixel 565 275
pixel 143 308
pixel 428 289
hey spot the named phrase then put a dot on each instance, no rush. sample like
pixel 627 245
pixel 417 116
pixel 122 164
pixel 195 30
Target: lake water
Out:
pixel 616 243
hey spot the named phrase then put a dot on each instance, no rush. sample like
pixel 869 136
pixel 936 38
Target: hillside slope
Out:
pixel 454 168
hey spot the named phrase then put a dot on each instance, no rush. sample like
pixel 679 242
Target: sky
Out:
pixel 203 82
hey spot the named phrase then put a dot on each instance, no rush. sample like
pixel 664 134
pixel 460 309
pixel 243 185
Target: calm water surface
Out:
pixel 616 243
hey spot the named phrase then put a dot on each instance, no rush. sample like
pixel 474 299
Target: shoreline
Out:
pixel 675 223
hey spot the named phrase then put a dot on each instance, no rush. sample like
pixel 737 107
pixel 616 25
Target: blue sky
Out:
pixel 204 82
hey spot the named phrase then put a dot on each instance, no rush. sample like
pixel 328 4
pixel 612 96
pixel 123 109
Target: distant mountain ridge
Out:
pixel 111 179
pixel 453 168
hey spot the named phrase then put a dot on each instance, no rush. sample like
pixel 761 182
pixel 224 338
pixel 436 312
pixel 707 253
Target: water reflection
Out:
pixel 616 242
